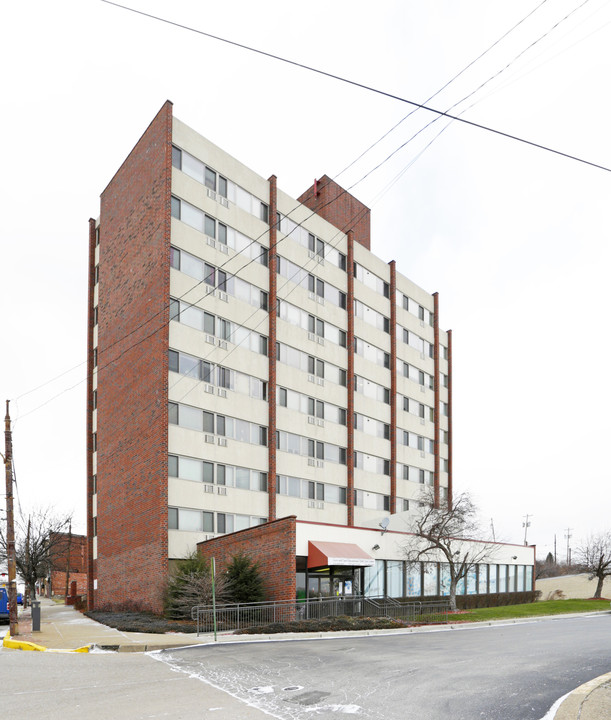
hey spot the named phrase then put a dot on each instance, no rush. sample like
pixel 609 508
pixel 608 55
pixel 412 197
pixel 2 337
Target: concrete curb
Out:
pixel 573 705
pixel 11 644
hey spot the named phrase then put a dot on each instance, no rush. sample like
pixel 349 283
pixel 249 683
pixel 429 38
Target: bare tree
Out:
pixel 39 542
pixel 449 530
pixel 595 557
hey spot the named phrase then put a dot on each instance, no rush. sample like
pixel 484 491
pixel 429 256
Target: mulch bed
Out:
pixel 131 621
pixel 329 624
pixel 145 622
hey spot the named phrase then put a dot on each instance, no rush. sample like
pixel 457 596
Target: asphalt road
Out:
pixel 503 672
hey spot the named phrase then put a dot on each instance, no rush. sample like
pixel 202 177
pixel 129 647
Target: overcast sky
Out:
pixel 514 239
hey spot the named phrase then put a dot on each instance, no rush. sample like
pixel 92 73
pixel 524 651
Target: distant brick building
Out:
pixel 68 558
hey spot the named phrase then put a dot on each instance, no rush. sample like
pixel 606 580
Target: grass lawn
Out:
pixel 546 607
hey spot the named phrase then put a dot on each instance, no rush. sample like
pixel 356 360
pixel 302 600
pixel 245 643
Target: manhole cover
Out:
pixel 308 698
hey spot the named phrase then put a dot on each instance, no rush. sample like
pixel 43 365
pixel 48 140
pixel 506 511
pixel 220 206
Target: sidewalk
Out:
pixel 64 629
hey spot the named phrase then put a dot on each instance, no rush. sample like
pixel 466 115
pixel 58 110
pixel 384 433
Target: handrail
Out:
pixel 239 615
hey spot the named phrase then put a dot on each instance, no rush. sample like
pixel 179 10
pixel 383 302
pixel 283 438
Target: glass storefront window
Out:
pixel 412 580
pixel 394 578
pixel 529 577
pixel 444 579
pixel 472 581
pixel 374 580
pixel 502 585
pixel 511 586
pixel 430 579
pixel 300 586
pixel 482 587
pixel 493 577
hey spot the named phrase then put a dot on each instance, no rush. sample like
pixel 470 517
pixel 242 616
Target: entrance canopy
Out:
pixel 322 554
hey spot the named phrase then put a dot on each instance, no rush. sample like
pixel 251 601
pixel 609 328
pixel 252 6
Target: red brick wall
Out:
pixel 338 207
pixel 350 385
pixel 450 484
pixel 58 582
pixel 436 356
pixel 133 374
pixel 89 410
pixel 393 387
pixel 67 547
pixel 271 351
pixel 272 545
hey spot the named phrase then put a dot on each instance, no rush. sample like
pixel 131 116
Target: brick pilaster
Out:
pixel 437 408
pixel 272 351
pixel 89 406
pixel 350 383
pixel 393 387
pixel 450 487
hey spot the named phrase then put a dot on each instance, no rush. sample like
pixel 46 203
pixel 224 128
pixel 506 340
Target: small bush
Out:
pixel 191 584
pixel 245 581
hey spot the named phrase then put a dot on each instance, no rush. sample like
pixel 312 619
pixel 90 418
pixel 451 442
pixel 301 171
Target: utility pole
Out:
pixel 567 535
pixel 28 600
pixel 555 558
pixel 10 525
pixel 526 525
pixel 492 528
pixel 68 563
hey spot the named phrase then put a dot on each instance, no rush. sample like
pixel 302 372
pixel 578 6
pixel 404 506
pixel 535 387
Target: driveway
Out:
pixel 502 672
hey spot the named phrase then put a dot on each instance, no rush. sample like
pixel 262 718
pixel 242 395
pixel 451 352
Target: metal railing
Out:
pixel 244 615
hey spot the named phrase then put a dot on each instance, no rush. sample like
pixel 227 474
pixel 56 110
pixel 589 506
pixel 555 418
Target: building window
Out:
pixel 222 186
pixel 316 245
pixel 176 157
pixel 210 178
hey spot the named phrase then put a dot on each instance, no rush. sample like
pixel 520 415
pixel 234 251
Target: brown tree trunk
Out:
pixel 599 586
pixel 453 584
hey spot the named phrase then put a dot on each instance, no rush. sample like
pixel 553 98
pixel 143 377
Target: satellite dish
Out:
pixel 384 522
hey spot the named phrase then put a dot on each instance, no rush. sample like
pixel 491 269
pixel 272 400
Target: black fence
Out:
pixel 245 615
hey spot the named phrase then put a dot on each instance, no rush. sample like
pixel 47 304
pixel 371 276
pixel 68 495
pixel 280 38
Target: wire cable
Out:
pixel 443 87
pixel 363 86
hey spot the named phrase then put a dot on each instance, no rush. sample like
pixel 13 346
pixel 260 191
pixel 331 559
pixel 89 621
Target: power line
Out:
pixel 447 125
pixel 354 83
pixel 443 87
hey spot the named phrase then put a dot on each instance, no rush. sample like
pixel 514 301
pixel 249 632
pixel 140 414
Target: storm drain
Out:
pixel 308 698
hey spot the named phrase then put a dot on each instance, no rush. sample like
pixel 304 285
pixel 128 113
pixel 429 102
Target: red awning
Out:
pixel 323 554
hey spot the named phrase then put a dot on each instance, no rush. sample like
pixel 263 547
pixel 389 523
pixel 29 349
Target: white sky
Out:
pixel 514 239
